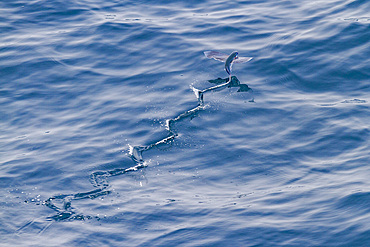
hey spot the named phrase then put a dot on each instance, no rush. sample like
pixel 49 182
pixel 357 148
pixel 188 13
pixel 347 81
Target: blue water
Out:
pixel 103 141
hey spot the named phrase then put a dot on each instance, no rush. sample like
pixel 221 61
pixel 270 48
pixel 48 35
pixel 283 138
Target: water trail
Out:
pixel 62 204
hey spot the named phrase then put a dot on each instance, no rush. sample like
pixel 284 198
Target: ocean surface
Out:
pixel 116 130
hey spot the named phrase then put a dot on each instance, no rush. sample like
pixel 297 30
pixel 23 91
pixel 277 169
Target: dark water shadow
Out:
pixel 234 83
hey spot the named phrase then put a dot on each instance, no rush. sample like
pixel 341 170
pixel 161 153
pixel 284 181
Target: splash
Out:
pixel 62 204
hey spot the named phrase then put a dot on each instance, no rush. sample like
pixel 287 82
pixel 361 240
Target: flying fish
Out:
pixel 229 60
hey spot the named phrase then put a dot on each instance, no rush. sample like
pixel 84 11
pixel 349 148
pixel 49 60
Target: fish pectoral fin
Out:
pixel 242 59
pixel 219 56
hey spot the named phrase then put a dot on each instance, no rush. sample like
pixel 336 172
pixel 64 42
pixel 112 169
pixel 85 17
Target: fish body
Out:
pixel 229 61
